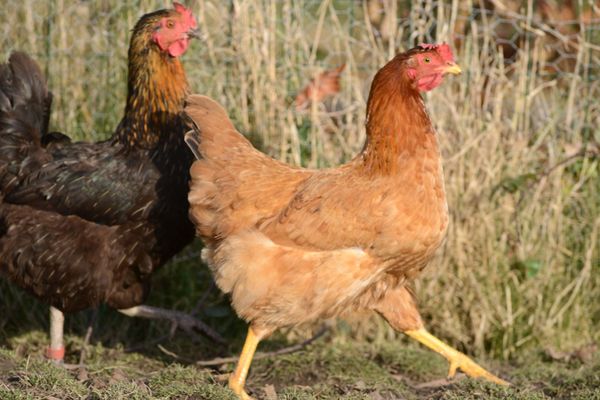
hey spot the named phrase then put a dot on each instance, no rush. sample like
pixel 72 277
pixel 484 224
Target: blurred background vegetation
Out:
pixel 519 130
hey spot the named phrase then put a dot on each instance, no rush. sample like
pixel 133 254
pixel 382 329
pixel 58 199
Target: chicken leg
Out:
pixel 237 380
pixel 56 351
pixel 398 307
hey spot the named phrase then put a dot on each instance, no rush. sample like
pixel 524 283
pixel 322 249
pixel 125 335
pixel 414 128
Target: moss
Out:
pixel 328 369
pixel 177 381
pixel 38 378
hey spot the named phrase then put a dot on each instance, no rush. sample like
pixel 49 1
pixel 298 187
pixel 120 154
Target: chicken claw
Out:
pixel 455 358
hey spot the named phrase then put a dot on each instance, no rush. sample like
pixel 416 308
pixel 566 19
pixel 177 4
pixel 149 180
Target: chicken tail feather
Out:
pixel 24 114
pixel 24 98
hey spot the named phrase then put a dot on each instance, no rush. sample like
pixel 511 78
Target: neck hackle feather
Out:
pixel 156 90
pixel 397 121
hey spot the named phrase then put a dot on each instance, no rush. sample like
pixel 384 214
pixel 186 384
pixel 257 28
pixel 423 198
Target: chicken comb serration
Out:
pixel 443 50
pixel 186 13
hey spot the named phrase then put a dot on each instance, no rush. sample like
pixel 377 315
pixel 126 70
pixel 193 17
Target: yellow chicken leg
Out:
pixel 455 358
pixel 237 381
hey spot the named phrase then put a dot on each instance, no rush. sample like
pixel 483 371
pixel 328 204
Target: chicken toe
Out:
pixel 456 359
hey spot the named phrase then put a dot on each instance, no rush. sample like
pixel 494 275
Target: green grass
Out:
pixel 330 368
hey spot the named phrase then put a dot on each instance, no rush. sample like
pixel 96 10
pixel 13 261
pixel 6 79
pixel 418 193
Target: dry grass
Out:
pixel 521 265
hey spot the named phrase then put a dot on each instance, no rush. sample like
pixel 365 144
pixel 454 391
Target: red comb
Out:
pixel 186 13
pixel 443 50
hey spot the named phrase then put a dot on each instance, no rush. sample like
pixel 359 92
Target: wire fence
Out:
pixel 83 44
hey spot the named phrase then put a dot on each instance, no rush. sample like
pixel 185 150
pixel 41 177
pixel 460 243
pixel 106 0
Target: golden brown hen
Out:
pixel 294 245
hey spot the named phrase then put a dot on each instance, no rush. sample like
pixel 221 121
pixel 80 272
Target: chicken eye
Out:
pixel 427 59
pixel 170 24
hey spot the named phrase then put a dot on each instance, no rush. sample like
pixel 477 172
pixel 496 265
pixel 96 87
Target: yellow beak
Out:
pixel 453 69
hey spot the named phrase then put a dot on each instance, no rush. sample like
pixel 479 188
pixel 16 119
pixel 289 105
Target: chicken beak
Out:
pixel 195 34
pixel 452 68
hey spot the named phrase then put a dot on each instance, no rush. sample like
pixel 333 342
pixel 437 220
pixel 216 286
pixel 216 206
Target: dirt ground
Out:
pixel 332 367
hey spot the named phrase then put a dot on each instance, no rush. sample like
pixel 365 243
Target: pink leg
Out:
pixel 56 351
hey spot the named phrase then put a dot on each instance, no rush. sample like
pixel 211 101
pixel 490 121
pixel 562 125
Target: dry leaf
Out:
pixel 270 393
pixel 322 86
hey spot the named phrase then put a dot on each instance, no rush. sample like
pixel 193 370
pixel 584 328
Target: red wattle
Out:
pixel 178 47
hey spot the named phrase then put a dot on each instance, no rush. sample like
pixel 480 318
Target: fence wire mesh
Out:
pixel 254 44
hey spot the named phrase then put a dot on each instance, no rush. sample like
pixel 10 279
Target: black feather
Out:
pixel 87 223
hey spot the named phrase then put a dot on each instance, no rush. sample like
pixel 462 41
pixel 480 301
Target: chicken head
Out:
pixel 429 64
pixel 172 33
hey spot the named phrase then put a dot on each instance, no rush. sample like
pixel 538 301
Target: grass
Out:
pixel 520 270
pixel 331 368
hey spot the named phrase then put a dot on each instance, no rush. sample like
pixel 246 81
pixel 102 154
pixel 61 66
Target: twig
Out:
pixel 438 383
pixel 580 153
pixel 200 304
pixel 86 342
pixel 258 356
pixel 87 338
pixel 167 352
pixel 156 342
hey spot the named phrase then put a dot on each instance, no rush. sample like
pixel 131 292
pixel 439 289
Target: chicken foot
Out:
pixel 182 320
pixel 399 308
pixel 455 358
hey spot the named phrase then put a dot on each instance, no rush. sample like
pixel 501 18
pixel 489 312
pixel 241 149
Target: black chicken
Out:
pixel 87 223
